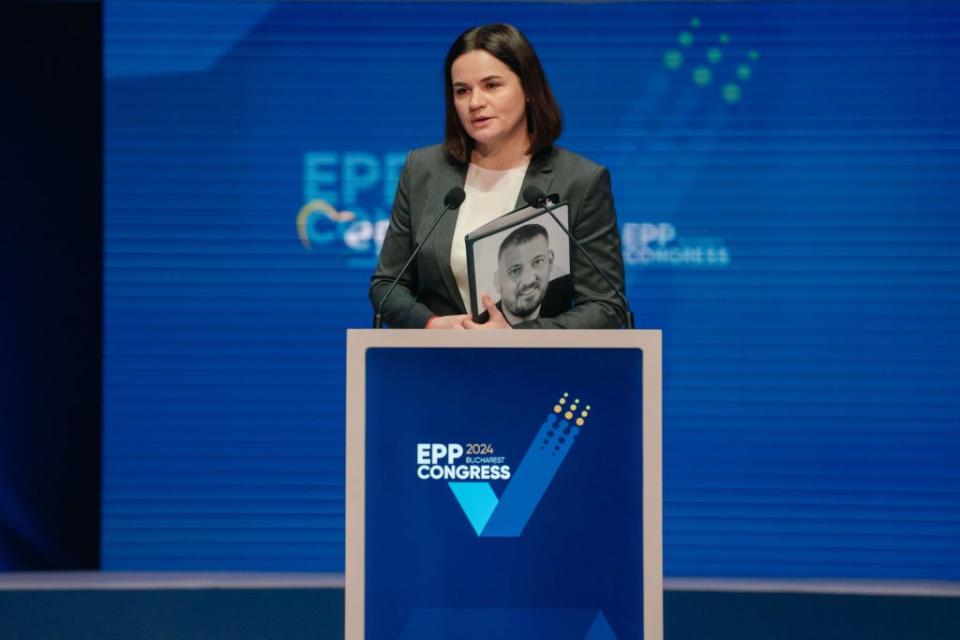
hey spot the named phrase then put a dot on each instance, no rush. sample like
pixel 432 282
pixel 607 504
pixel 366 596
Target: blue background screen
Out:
pixel 786 184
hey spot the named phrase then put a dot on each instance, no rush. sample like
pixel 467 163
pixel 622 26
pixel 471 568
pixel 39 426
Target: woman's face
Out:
pixel 489 99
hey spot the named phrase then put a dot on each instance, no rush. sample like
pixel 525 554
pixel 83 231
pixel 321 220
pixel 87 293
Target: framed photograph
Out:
pixel 522 260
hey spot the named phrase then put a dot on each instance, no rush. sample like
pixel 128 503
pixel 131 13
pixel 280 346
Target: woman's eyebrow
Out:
pixel 461 83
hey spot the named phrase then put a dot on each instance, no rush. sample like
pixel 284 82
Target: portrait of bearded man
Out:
pixel 522 279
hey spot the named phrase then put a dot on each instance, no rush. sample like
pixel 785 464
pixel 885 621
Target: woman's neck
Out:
pixel 507 155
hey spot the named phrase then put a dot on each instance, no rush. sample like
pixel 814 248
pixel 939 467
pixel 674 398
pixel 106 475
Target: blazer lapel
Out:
pixel 539 173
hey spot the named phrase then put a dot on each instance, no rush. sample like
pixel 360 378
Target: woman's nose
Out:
pixel 477 100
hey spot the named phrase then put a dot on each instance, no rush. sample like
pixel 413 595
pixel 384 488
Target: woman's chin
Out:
pixel 484 139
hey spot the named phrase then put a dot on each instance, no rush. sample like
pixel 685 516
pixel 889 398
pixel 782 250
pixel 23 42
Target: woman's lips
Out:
pixel 479 122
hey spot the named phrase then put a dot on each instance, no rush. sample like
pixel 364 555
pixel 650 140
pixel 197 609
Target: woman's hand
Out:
pixel 495 321
pixel 447 322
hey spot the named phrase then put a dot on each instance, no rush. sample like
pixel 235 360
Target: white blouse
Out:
pixel 490 194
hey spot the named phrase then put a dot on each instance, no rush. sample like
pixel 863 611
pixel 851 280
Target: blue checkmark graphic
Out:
pixel 507 516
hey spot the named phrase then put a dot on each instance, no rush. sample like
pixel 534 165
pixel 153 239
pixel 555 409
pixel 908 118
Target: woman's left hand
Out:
pixel 495 321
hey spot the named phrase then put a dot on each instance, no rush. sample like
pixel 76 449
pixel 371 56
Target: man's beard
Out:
pixel 531 303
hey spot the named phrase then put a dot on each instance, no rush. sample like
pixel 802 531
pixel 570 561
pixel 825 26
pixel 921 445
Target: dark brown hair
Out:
pixel 522 235
pixel 509 46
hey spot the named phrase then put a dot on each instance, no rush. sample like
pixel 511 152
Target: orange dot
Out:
pixel 557 409
pixel 568 415
pixel 579 422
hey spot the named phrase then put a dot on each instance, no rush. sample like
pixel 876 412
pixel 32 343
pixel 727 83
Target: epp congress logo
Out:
pixel 658 244
pixel 506 516
pixel 348 196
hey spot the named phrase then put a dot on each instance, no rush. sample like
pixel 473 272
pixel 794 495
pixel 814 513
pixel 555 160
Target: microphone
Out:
pixel 534 196
pixel 452 200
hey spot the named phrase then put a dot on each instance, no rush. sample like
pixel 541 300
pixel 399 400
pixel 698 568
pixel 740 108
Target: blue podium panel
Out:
pixel 504 493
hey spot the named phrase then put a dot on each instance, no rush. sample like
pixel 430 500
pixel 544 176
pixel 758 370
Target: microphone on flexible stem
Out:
pixel 534 196
pixel 452 200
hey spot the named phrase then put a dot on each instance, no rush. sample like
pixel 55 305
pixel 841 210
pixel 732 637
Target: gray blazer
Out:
pixel 429 288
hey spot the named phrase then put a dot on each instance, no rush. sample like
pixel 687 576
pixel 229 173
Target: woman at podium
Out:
pixel 501 124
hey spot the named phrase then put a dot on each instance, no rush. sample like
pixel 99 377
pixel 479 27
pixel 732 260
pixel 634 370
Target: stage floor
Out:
pixel 256 606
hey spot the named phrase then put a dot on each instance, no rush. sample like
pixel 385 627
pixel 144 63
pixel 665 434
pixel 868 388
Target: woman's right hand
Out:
pixel 446 322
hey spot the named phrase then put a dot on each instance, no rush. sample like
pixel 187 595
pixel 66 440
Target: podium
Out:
pixel 504 484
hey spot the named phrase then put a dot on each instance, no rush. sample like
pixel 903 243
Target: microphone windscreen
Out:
pixel 533 195
pixel 454 198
